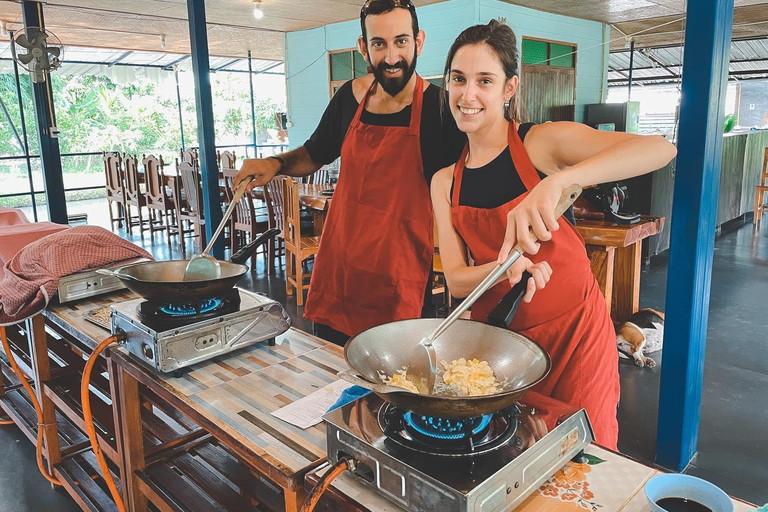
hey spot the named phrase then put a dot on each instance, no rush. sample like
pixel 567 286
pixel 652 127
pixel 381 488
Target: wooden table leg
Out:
pixel 294 499
pixel 318 219
pixel 626 281
pixel 601 261
pixel 38 345
pixel 114 391
pixel 131 438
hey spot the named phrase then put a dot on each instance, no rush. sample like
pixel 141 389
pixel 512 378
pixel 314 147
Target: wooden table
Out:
pixel 615 255
pixel 231 398
pixel 610 483
pixel 311 197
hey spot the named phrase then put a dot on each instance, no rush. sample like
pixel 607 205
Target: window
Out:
pixel 549 53
pixel 345 65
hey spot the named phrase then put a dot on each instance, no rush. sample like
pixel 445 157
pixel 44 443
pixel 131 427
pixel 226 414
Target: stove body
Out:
pixel 492 475
pixel 221 325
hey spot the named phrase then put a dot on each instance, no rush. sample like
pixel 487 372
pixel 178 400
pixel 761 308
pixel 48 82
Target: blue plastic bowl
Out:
pixel 689 487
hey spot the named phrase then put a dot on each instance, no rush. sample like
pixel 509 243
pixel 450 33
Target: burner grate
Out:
pixel 443 429
pixel 191 308
pixel 448 437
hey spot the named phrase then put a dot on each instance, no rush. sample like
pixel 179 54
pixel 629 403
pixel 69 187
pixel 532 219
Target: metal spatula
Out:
pixel 204 267
pixel 422 369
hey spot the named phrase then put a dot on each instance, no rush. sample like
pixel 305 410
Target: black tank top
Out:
pixel 497 182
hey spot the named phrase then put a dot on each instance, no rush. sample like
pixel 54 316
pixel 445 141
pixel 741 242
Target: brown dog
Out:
pixel 642 334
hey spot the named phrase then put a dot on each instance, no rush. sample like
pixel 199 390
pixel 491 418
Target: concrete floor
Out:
pixel 733 443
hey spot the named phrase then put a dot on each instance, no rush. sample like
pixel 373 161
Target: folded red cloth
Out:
pixel 12 216
pixel 15 237
pixel 32 275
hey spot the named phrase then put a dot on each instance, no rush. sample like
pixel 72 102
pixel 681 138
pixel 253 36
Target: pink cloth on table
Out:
pixel 32 275
pixel 12 216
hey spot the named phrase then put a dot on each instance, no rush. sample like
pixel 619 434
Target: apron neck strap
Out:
pixel 458 174
pixel 416 105
pixel 523 164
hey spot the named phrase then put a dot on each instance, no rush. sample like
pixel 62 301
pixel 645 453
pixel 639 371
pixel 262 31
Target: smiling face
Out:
pixel 478 88
pixel 392 48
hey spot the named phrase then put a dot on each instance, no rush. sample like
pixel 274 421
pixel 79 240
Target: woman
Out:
pixel 486 203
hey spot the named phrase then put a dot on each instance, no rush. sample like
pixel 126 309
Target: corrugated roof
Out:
pixel 749 60
pixel 78 60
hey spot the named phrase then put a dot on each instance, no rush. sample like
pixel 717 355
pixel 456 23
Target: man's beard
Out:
pixel 393 86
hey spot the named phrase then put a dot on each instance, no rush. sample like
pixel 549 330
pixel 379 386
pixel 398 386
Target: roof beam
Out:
pixel 273 66
pixel 120 58
pixel 233 61
pixel 180 59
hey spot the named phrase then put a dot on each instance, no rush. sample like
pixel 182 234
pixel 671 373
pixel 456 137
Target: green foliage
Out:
pixel 730 122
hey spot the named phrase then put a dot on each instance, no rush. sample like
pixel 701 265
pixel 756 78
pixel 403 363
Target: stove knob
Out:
pixel 147 351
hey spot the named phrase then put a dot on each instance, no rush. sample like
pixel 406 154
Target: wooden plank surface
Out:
pixel 233 397
pixel 598 232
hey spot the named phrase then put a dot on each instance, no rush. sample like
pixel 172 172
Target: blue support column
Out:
pixel 205 130
pixel 694 215
pixel 47 132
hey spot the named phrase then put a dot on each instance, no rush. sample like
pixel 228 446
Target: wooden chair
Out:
pixel 226 160
pixel 190 156
pixel 190 202
pixel 115 188
pixel 320 177
pixel 273 196
pixel 133 193
pixel 245 224
pixel 761 191
pixel 160 197
pixel 297 248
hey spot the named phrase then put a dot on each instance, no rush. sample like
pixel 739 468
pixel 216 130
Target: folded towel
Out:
pixel 349 395
pixel 32 275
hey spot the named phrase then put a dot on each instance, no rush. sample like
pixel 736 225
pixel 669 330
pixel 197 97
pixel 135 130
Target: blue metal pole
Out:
pixel 694 216
pixel 253 107
pixel 205 130
pixel 47 132
pixel 178 103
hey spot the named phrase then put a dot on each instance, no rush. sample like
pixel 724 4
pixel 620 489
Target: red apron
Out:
pixel 568 318
pixel 376 250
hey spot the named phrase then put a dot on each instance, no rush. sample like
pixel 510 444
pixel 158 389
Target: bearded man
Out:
pixel 376 250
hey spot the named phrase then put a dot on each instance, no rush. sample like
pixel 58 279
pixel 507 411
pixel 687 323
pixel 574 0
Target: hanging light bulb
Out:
pixel 257 12
pixel 4 28
pixel 162 40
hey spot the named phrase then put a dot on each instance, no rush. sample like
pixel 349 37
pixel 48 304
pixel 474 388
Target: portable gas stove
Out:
pixel 485 464
pixel 172 336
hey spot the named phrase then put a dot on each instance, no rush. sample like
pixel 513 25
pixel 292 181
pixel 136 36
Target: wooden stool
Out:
pixel 761 190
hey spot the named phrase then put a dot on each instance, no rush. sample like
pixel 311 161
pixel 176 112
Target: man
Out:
pixel 376 250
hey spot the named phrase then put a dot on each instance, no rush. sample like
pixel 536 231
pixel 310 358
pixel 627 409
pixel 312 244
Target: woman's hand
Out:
pixel 535 212
pixel 540 274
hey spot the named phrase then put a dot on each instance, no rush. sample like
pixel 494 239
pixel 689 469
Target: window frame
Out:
pixel 550 42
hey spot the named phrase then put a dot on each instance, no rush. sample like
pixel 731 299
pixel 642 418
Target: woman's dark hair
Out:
pixel 376 7
pixel 502 40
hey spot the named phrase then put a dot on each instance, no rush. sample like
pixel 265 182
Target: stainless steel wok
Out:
pixel 163 281
pixel 383 350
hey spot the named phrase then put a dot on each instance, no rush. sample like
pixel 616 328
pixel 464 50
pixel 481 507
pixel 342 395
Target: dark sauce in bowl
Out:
pixel 682 505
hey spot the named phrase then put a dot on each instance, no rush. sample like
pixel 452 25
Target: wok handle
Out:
pixel 349 376
pixel 243 254
pixel 504 312
pixel 112 273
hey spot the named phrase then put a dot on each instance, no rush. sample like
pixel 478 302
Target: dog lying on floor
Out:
pixel 642 334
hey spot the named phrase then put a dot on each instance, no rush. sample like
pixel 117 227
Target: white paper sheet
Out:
pixel 309 410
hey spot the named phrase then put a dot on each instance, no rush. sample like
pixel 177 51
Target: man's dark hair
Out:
pixel 376 7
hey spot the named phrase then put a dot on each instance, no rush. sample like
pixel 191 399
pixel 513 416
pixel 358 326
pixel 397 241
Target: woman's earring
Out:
pixel 506 103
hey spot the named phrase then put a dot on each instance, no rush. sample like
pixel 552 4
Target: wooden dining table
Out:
pixel 312 197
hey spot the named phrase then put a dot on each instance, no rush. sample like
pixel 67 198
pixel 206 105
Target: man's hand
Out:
pixel 262 170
